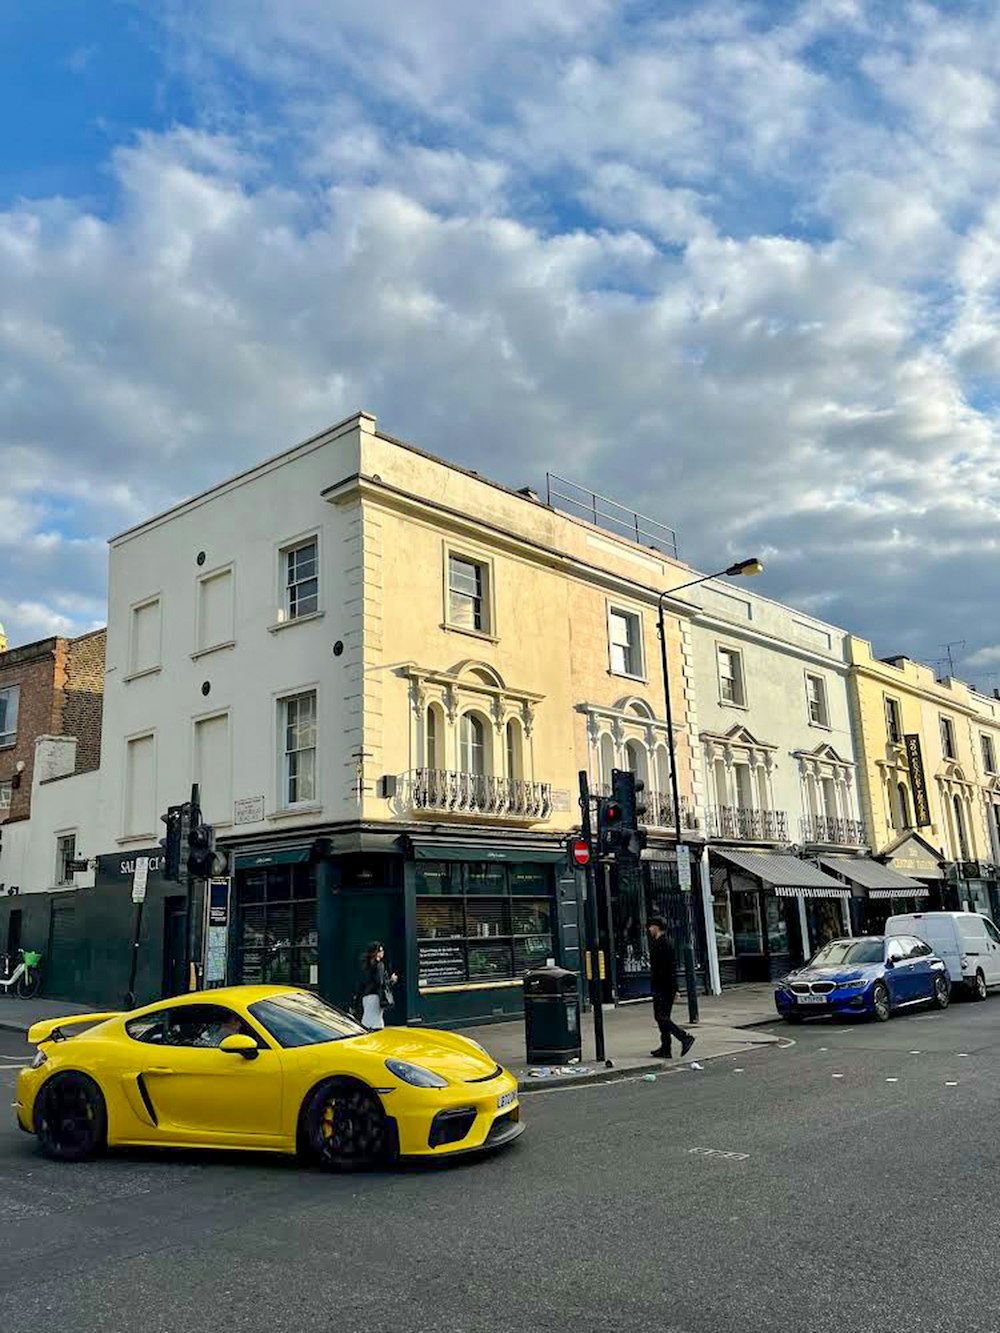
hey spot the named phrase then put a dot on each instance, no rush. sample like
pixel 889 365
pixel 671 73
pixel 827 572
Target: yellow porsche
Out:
pixel 266 1068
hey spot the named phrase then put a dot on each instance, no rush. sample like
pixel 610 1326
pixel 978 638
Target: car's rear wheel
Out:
pixel 942 993
pixel 344 1126
pixel 71 1119
pixel 978 987
pixel 880 1003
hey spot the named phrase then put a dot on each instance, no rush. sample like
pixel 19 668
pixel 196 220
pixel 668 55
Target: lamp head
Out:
pixel 746 568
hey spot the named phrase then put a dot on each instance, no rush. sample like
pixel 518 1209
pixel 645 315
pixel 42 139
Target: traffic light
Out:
pixel 204 860
pixel 171 844
pixel 609 825
pixel 628 795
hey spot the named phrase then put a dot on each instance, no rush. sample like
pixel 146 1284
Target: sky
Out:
pixel 736 265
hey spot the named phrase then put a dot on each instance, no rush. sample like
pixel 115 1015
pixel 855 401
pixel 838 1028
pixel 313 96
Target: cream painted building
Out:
pixel 385 672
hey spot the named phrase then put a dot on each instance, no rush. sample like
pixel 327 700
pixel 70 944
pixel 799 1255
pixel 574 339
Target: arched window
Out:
pixel 904 806
pixel 636 760
pixel 515 751
pixel 473 755
pixel 963 845
pixel 662 770
pixel 606 753
pixel 434 737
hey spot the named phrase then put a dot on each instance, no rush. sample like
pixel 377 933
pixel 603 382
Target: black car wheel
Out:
pixel 344 1126
pixel 71 1119
pixel 880 1003
pixel 978 987
pixel 942 992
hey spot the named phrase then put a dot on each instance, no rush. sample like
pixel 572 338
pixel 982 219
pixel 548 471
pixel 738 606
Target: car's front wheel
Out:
pixel 942 993
pixel 881 1007
pixel 344 1127
pixel 71 1119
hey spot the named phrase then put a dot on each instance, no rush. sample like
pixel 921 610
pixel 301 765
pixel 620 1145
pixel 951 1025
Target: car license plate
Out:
pixel 506 1099
pixel 811 999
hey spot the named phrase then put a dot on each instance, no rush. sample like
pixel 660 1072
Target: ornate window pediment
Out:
pixel 824 761
pixel 738 743
pixel 952 772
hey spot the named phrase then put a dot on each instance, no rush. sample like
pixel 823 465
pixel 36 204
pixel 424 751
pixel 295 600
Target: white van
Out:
pixel 968 943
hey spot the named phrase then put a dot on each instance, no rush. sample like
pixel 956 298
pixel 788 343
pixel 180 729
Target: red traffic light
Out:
pixel 581 852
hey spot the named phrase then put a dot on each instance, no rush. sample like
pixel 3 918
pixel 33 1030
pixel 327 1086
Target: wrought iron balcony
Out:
pixel 832 831
pixel 738 825
pixel 660 812
pixel 442 792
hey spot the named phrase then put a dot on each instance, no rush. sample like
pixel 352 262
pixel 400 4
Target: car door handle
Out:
pixel 159 1069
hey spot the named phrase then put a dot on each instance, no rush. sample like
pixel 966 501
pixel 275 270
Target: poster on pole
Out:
pixel 140 876
pixel 683 867
pixel 217 935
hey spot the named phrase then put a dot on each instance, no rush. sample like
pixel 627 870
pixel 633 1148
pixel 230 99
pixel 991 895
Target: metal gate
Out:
pixel 639 893
pixel 61 965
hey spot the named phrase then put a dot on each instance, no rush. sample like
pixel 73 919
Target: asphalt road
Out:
pixel 864 1196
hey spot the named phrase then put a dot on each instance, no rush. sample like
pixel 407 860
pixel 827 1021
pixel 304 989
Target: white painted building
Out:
pixel 771 719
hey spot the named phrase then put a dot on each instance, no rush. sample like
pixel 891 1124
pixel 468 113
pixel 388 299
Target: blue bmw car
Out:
pixel 873 975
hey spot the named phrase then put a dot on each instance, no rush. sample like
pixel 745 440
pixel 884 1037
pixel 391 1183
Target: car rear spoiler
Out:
pixel 51 1029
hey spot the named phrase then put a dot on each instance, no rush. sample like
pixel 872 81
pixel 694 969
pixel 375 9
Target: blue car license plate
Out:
pixel 811 999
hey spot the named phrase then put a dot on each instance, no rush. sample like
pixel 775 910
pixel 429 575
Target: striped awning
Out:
pixel 787 875
pixel 872 875
pixel 918 891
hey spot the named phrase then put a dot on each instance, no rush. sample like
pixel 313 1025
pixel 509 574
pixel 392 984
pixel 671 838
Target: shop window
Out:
pixel 747 937
pixel 277 931
pixel 777 925
pixel 723 927
pixel 478 922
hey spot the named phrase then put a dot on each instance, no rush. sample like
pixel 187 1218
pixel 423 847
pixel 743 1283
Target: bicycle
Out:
pixel 25 980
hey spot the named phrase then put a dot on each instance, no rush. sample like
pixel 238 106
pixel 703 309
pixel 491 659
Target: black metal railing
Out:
pixel 832 831
pixel 446 792
pixel 659 809
pixel 738 825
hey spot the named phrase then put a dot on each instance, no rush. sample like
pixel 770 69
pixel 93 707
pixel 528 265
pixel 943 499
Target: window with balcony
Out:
pixel 472 744
pixel 893 721
pixel 625 642
pixel 468 594
pixel 9 701
pixel 732 685
pixel 989 754
pixel 297 722
pixel 948 746
pixel 819 714
pixel 515 751
pixel 300 579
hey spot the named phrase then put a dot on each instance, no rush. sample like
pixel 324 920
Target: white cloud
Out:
pixel 568 236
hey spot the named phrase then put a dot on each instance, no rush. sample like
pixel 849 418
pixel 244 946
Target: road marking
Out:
pixel 963 1055
pixel 719 1152
pixel 914 1052
pixel 836 1076
pixel 951 1083
pixel 892 1080
pixel 739 1071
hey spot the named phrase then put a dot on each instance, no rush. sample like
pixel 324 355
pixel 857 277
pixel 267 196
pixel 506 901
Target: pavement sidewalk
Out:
pixel 728 1025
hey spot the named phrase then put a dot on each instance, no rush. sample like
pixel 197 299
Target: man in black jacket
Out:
pixel 663 966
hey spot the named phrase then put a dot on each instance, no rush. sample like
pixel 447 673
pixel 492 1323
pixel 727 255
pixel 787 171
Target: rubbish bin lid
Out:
pixel 551 973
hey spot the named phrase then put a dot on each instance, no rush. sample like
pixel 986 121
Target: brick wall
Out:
pixel 83 697
pixel 35 668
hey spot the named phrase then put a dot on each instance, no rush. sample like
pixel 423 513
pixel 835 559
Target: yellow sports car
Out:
pixel 265 1068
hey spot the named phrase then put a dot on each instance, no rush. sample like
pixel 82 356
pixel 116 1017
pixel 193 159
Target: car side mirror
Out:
pixel 240 1044
pixel 890 962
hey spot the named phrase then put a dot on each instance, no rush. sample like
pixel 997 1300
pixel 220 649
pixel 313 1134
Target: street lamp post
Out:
pixel 745 569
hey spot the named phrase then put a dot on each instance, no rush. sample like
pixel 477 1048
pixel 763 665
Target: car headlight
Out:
pixel 40 1059
pixel 416 1075
pixel 859 983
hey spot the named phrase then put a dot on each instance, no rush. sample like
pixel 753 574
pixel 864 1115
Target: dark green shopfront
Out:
pixel 462 920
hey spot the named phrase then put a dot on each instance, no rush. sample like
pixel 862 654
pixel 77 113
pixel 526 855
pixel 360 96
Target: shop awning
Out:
pixel 880 880
pixel 787 875
pixel 518 853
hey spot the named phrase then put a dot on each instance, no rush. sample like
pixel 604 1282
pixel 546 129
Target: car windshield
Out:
pixel 848 952
pixel 303 1020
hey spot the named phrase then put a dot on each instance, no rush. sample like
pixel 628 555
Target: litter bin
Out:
pixel 551 1016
